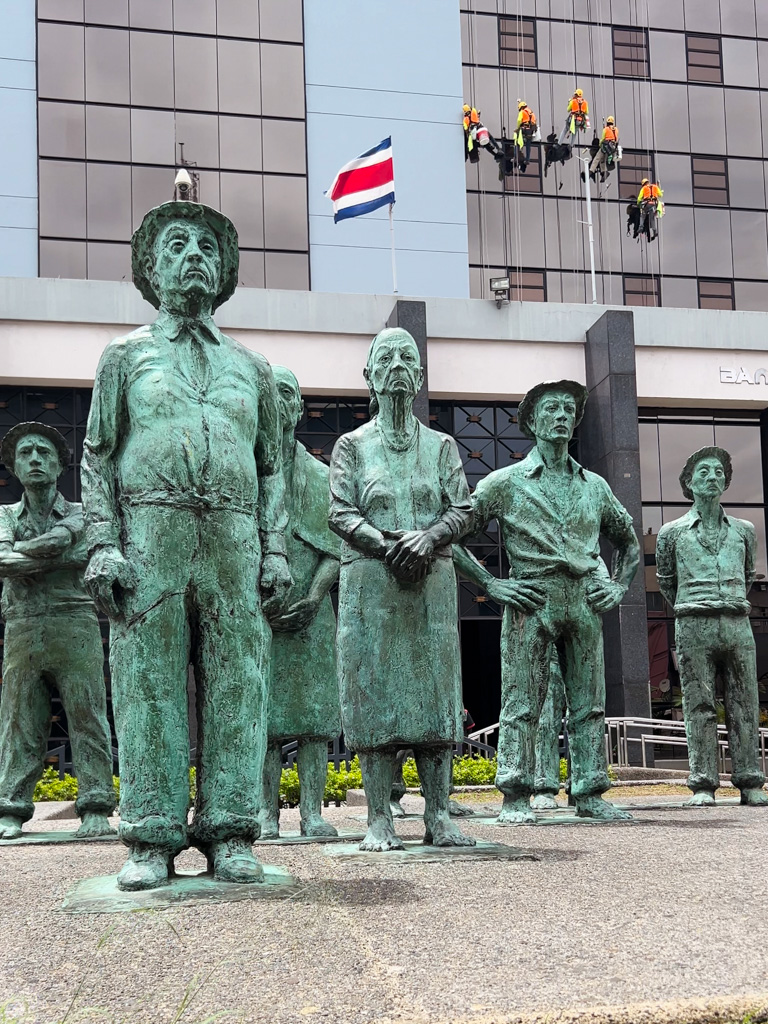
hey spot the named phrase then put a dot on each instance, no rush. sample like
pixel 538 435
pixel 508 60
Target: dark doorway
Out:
pixel 481 669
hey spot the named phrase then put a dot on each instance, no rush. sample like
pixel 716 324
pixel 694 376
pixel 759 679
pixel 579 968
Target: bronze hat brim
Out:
pixel 145 236
pixel 15 434
pixel 708 452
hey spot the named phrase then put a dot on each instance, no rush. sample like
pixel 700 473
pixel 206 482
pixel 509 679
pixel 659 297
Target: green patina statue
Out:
pixel 183 498
pixel 52 638
pixel 399 498
pixel 546 779
pixel 705 566
pixel 303 690
pixel 551 513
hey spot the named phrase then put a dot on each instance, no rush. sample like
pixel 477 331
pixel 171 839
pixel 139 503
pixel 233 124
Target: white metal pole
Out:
pixel 591 232
pixel 392 246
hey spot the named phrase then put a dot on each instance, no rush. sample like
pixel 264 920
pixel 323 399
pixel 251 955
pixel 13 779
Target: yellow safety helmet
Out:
pixel 610 120
pixel 644 181
pixel 466 108
pixel 521 104
pixel 579 92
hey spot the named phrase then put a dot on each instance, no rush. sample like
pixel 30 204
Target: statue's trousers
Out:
pixel 708 645
pixel 527 643
pixel 61 650
pixel 197 601
pixel 547 778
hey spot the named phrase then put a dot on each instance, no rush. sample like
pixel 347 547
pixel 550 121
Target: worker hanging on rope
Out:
pixel 471 121
pixel 646 211
pixel 577 118
pixel 526 132
pixel 608 152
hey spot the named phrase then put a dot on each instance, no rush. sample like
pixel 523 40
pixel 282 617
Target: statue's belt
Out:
pixel 190 502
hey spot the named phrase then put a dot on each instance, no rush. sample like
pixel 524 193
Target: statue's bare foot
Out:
pixel 754 797
pixel 701 798
pixel 10 826
pixel 397 809
pixel 94 825
pixel 596 807
pixel 459 810
pixel 233 861
pixel 516 811
pixel 316 826
pixel 544 802
pixel 146 868
pixel 444 833
pixel 381 837
pixel 268 826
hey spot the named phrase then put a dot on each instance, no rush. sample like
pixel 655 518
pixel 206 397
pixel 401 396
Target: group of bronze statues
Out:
pixel 209 536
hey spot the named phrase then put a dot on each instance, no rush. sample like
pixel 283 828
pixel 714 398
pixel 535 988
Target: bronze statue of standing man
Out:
pixel 705 565
pixel 183 497
pixel 399 498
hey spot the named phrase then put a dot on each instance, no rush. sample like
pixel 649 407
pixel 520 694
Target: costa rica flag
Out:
pixel 364 184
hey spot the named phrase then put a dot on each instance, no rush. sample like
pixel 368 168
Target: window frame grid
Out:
pixel 515 273
pixel 689 51
pixel 518 34
pixel 725 190
pixel 654 279
pixel 633 62
pixel 649 172
pixel 726 282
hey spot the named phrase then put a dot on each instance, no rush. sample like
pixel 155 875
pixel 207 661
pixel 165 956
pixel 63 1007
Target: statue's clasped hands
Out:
pixel 604 594
pixel 276 582
pixel 409 553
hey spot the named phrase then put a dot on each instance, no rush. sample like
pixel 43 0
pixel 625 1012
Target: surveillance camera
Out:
pixel 183 182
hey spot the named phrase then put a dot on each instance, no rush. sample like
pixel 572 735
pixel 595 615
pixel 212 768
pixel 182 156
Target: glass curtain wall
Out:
pixel 128 87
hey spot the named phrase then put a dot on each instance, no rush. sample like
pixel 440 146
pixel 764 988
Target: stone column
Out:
pixel 609 445
pixel 412 317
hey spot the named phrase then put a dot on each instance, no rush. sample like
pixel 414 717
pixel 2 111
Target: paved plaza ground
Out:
pixel 658 921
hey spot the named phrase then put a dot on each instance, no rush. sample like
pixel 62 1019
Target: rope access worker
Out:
pixel 470 122
pixel 650 207
pixel 577 117
pixel 524 133
pixel 607 152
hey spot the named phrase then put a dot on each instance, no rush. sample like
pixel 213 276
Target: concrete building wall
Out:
pixel 18 139
pixel 387 67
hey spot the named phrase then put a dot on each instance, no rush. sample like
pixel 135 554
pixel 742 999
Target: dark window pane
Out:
pixel 61 129
pixel 107 133
pixel 62 259
pixel 710 181
pixel 195 71
pixel 704 58
pixel 106 65
pixel 630 53
pixel 716 294
pixel 239 77
pixel 641 291
pixel 633 167
pixel 530 180
pixel 109 202
pixel 527 285
pixel 517 42
pixel 60 56
pixel 152 69
pixel 62 199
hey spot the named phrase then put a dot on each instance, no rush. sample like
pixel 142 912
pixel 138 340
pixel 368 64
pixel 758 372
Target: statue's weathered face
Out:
pixel 291 404
pixel 36 462
pixel 554 418
pixel 708 478
pixel 395 367
pixel 187 262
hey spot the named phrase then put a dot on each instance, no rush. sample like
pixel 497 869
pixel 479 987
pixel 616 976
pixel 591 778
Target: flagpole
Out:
pixel 392 246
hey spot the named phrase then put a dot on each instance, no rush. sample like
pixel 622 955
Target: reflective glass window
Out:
pixel 740 62
pixel 285 213
pixel 152 14
pixel 668 55
pixel 60 59
pixel 284 146
pixel 282 80
pixel 109 261
pixel 705 63
pixel 152 69
pixel 737 17
pixel 715 294
pixel 756 516
pixel 109 202
pixel 630 52
pixel 210 189
pixel 632 168
pixel 62 199
pixel 282 20
pixel 238 18
pixel 195 16
pixel 107 133
pixel 61 129
pixel 714 258
pixel 242 201
pixel 666 13
pixel 527 285
pixel 62 259
pixel 251 274
pixel 650 472
pixel 60 10
pixel 710 181
pixel 641 290
pixel 287 270
pixel 517 42
pixel 240 143
pixel 529 180
pixel 750 243
pixel 152 136
pixel 743 444
pixel 195 72
pixel 747 183
pixel 150 186
pixel 106 65
pixel 239 77
pixel 199 134
pixel 106 12
pixel 679 292
pixel 676 442
pixel 751 295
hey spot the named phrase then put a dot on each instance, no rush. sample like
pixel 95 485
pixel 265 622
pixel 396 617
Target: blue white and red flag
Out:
pixel 364 184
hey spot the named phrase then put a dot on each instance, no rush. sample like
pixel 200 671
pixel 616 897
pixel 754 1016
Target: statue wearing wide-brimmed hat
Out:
pixel 183 496
pixel 551 514
pixel 705 565
pixel 52 638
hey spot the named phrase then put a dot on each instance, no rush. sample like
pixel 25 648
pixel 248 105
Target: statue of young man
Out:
pixel 183 498
pixel 303 690
pixel 551 513
pixel 52 636
pixel 705 564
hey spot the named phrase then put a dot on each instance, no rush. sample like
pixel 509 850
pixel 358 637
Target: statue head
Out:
pixel 707 473
pixel 185 256
pixel 393 366
pixel 289 396
pixel 35 453
pixel 552 410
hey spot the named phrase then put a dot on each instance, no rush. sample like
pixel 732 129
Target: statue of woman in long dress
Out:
pixel 399 498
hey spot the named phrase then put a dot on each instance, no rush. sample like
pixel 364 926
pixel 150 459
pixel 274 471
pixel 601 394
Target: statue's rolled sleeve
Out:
pixel 97 470
pixel 7 525
pixel 271 513
pixel 344 515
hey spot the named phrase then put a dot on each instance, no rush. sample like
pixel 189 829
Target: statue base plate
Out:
pixel 101 895
pixel 53 836
pixel 297 839
pixel 416 852
pixel 553 818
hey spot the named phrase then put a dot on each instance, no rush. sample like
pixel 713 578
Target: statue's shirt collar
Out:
pixel 172 326
pixel 60 507
pixel 534 464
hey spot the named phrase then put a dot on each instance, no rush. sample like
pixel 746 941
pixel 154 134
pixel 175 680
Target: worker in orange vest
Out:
pixel 470 122
pixel 577 117
pixel 651 207
pixel 607 152
pixel 524 133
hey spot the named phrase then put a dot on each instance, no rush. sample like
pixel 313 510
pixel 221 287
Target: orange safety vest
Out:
pixel 649 192
pixel 527 115
pixel 610 133
pixel 471 118
pixel 578 105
